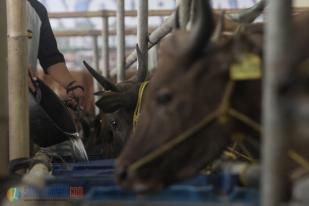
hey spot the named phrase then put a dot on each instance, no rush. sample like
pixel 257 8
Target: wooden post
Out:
pixel 105 47
pixel 4 120
pixel 120 41
pixel 142 31
pixel 18 85
pixel 275 140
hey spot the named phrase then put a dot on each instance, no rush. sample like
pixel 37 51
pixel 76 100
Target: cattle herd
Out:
pixel 203 99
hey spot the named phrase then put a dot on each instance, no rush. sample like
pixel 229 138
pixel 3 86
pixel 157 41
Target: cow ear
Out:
pixel 113 101
pixel 247 43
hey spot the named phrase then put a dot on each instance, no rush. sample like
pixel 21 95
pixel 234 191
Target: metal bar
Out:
pixel 108 13
pixel 96 85
pixel 153 58
pixel 275 140
pixel 120 41
pixel 95 52
pixel 165 28
pixel 4 119
pixel 77 33
pixel 105 47
pixel 184 12
pixel 17 76
pixel 142 31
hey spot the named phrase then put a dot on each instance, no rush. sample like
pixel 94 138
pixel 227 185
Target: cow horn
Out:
pixel 247 16
pixel 202 29
pixel 105 83
pixel 176 25
pixel 142 72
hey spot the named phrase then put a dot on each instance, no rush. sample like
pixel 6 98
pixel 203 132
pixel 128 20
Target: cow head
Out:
pixel 117 104
pixel 188 85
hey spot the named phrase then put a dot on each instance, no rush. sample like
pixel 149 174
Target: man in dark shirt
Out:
pixel 42 45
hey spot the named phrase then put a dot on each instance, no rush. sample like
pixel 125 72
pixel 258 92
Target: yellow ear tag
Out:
pixel 248 68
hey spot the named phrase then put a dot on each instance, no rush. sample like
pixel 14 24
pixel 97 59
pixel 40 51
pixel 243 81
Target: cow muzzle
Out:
pixel 130 180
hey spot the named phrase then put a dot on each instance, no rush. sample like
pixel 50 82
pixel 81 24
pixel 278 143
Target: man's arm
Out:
pixel 48 52
pixel 51 58
pixel 60 73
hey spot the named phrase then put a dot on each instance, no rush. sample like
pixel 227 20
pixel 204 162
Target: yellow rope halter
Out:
pixel 219 114
pixel 137 110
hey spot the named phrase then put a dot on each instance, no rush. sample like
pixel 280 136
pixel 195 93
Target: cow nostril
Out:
pixel 122 173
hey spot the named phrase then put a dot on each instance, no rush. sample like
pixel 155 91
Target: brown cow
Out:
pixel 184 124
pixel 189 85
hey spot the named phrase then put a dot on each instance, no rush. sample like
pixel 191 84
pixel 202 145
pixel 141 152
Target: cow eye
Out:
pixel 114 124
pixel 164 97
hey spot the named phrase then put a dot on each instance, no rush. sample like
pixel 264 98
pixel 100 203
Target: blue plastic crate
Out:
pixel 84 169
pixel 179 193
pixel 97 181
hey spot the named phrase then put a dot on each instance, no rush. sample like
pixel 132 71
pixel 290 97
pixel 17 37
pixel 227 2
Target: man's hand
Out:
pixel 31 77
pixel 75 92
pixel 30 84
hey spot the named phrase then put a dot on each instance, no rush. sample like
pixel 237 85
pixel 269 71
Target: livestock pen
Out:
pixel 92 183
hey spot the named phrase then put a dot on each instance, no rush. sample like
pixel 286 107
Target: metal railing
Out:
pixel 106 13
pixel 275 140
pixel 122 61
